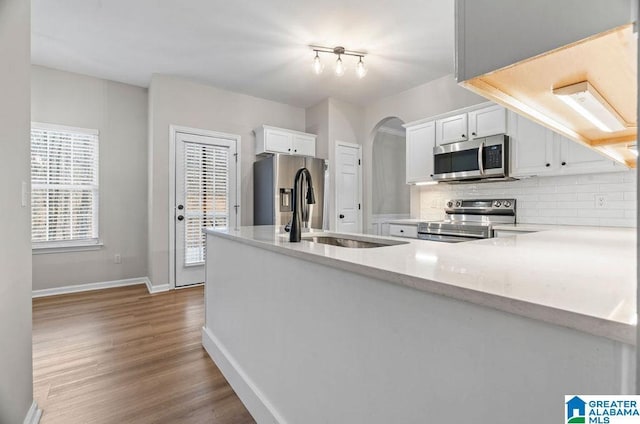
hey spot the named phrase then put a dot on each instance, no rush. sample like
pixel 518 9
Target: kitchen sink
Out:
pixel 353 243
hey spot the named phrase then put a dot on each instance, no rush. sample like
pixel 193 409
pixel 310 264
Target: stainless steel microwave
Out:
pixel 482 158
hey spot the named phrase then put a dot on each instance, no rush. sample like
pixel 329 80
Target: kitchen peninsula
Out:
pixel 316 333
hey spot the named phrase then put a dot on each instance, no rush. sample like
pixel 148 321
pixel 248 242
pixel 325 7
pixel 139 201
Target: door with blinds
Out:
pixel 205 197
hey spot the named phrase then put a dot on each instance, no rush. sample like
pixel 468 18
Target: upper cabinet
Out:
pixel 280 140
pixel 578 159
pixel 420 143
pixel 487 121
pixel 538 151
pixel 452 129
pixel 535 150
pixel 532 148
pixel 476 123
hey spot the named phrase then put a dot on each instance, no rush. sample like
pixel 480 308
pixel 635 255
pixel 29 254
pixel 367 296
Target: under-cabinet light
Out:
pixel 586 100
pixel 426 183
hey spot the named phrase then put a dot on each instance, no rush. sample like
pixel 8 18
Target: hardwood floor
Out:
pixel 124 356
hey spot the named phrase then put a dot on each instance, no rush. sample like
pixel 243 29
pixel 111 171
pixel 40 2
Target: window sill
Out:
pixel 66 247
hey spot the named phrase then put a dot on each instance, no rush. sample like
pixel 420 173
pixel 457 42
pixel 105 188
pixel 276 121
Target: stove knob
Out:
pixel 458 203
pixel 497 203
pixel 507 204
pixel 449 204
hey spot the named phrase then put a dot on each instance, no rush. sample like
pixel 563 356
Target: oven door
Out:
pixel 474 159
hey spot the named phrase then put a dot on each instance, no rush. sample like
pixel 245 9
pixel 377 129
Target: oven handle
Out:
pixel 480 164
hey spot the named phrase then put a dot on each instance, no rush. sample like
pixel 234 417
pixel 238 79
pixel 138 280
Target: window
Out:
pixel 206 181
pixel 64 186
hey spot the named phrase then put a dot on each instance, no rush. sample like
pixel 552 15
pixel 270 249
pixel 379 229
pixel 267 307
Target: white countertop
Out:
pixel 581 278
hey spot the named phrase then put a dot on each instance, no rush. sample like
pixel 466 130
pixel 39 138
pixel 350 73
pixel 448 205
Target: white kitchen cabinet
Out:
pixel 304 144
pixel 451 129
pixel 533 151
pixel 420 144
pixel 536 150
pixel 399 230
pixel 487 121
pixel 578 159
pixel 280 140
pixel 483 122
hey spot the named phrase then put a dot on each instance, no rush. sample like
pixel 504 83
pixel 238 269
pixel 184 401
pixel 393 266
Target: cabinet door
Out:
pixel 488 121
pixel 420 144
pixel 578 159
pixel 532 148
pixel 304 145
pixel 451 129
pixel 277 141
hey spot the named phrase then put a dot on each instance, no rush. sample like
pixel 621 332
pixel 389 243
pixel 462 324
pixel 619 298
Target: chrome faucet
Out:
pixel 300 214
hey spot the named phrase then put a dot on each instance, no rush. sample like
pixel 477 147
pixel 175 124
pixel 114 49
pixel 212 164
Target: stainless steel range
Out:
pixel 469 220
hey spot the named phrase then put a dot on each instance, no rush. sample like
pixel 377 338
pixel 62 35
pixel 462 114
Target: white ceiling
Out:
pixel 257 47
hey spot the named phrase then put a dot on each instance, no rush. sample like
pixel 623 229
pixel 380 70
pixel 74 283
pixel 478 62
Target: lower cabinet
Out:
pixel 399 230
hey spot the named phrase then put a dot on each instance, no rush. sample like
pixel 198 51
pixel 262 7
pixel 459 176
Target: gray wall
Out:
pixel 176 101
pixel 317 122
pixel 16 381
pixel 119 112
pixel 492 34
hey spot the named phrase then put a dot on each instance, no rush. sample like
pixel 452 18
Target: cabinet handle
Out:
pixel 548 165
pixel 402 231
pixel 463 136
pixel 295 150
pixel 471 134
pixel 564 163
pixel 288 150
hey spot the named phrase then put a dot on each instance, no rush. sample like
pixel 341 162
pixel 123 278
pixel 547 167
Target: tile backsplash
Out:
pixel 593 199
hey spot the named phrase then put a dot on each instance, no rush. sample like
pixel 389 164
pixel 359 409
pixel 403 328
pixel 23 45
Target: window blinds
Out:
pixel 64 185
pixel 207 196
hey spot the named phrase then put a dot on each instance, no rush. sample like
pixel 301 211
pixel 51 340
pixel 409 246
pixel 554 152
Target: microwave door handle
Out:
pixel 480 164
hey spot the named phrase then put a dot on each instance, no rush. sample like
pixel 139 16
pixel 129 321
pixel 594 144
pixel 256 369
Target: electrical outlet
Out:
pixel 601 201
pixel 117 258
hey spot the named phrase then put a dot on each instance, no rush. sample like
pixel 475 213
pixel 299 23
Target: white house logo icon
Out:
pixel 575 410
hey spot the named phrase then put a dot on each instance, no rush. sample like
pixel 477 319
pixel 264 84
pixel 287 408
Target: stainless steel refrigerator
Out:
pixel 273 189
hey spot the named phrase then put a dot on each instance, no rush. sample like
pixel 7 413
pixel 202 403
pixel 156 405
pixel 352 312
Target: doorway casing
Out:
pixel 173 131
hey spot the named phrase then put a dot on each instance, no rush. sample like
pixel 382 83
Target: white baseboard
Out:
pixel 156 289
pixel 90 286
pixel 256 403
pixel 33 414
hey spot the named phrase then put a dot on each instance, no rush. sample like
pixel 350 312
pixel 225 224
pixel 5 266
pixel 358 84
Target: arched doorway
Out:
pixel 390 194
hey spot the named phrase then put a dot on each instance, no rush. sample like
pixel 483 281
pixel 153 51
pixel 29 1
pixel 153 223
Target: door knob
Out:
pixel 341 216
pixel 180 217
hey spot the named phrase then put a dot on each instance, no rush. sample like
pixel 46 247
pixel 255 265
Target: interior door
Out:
pixel 348 207
pixel 205 197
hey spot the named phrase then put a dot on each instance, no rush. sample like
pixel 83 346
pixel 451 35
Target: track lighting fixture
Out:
pixel 340 68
